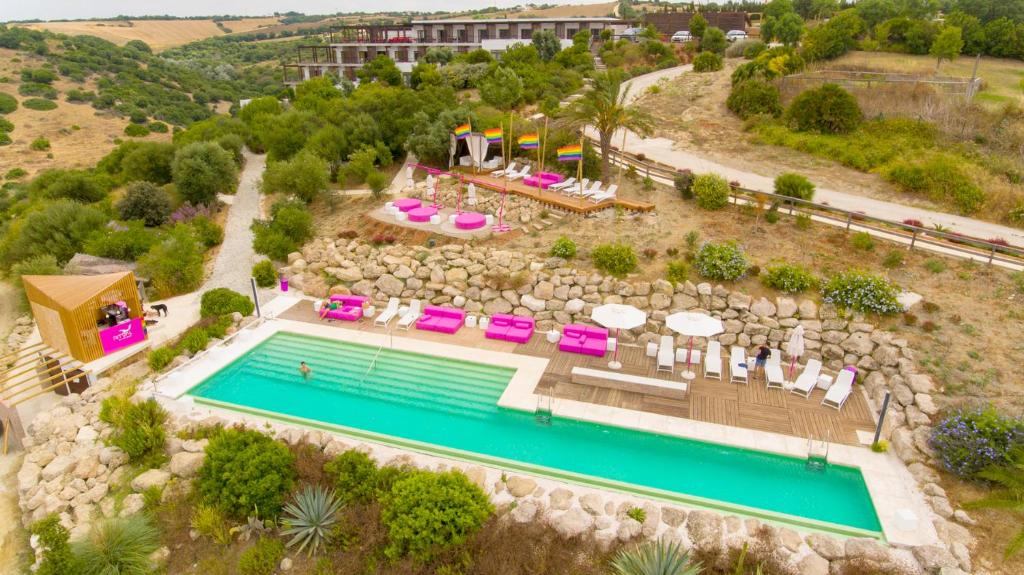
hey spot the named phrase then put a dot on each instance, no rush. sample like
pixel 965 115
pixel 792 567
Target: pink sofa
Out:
pixel 584 339
pixel 442 319
pixel 350 307
pixel 513 328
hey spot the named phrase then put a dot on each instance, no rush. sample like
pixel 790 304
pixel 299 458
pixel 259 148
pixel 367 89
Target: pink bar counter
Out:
pixel 122 335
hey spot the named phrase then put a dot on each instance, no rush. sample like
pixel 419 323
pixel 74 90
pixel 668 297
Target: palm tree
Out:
pixel 605 107
pixel 1009 495
pixel 657 558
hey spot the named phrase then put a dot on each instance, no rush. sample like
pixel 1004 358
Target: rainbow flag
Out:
pixel 493 135
pixel 462 132
pixel 529 141
pixel 573 153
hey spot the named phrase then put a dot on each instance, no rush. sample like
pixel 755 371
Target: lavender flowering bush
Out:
pixel 970 438
pixel 186 212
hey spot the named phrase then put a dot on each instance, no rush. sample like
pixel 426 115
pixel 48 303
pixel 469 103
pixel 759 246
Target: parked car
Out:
pixel 682 36
pixel 632 34
pixel 733 35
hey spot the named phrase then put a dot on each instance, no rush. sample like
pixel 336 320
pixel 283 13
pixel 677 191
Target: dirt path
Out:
pixel 684 155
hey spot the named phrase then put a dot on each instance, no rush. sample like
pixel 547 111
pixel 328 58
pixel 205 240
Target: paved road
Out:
pixel 670 153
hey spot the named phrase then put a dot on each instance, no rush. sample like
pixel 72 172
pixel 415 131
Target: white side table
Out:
pixel 483 322
pixel 369 311
pixel 470 321
pixel 824 381
pixel 554 335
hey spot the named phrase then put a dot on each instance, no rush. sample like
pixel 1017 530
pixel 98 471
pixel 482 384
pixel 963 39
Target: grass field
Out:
pixel 1001 79
pixel 570 10
pixel 159 34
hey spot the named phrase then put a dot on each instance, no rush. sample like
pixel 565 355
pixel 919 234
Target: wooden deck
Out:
pixel 553 198
pixel 751 406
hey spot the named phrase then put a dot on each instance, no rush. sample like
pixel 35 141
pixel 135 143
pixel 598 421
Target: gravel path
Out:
pixel 233 266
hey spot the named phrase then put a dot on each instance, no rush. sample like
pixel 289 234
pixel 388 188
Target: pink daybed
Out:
pixel 584 339
pixel 441 319
pixel 350 307
pixel 513 328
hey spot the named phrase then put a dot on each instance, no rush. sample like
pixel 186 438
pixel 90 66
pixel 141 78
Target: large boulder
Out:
pixel 573 522
pixel 520 486
pixel 60 465
pixel 186 464
pixel 560 498
pixel 151 478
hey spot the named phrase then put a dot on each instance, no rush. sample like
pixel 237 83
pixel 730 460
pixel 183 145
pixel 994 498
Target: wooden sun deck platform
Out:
pixel 554 198
pixel 751 406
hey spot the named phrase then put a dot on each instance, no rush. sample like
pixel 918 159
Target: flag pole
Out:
pixel 579 176
pixel 540 157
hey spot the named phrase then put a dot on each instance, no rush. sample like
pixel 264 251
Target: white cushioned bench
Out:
pixel 627 382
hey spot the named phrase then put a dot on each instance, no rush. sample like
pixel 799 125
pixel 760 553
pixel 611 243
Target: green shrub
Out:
pixel 202 170
pixel 57 558
pixel 563 248
pixel 222 301
pixel 138 427
pixel 41 265
pixel 40 144
pixel 862 291
pixel 426 513
pixel 826 110
pixel 15 173
pixel 941 179
pixel 677 271
pixel 136 130
pixel 711 191
pixel 707 62
pixel 863 241
pixel 935 266
pixel 149 161
pixel 754 97
pixel 968 439
pixel 354 475
pixel 683 182
pixel 803 222
pixel 209 521
pixel 753 49
pixel 175 265
pixel 5 139
pixel 161 357
pixel 158 127
pixel 208 232
pixel 265 273
pixel 121 241
pixel 787 278
pixel 118 545
pixel 195 340
pixel 378 182
pixel 245 473
pixel 893 259
pixel 8 103
pixel 305 175
pixel 637 514
pixel 39 104
pixel 147 202
pixel 290 226
pixel 794 186
pixel 615 259
pixel 262 558
pixel 721 261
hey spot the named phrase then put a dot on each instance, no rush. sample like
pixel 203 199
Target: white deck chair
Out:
pixel 608 194
pixel 666 354
pixel 839 392
pixel 807 379
pixel 713 361
pixel 574 190
pixel 511 168
pixel 737 365
pixel 410 316
pixel 519 175
pixel 389 313
pixel 594 189
pixel 563 184
pixel 773 370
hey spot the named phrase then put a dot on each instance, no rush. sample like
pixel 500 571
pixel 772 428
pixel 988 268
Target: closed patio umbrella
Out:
pixel 618 316
pixel 795 347
pixel 693 324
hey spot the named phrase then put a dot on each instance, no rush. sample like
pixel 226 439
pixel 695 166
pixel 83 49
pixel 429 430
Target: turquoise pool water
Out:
pixel 453 404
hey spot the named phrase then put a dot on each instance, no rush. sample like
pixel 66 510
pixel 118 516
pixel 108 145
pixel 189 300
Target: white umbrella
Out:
pixel 693 324
pixel 618 316
pixel 795 347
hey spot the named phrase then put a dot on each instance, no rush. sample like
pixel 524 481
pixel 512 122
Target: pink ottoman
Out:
pixel 406 204
pixel 470 221
pixel 421 214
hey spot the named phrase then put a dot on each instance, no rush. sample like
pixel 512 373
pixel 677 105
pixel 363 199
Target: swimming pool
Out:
pixel 436 402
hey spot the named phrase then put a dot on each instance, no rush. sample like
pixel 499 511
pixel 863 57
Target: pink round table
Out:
pixel 421 214
pixel 470 221
pixel 406 204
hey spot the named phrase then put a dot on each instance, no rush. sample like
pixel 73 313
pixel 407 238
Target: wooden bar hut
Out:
pixel 87 317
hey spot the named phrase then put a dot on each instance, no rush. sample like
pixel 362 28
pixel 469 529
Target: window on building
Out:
pixel 504 34
pixel 570 32
pixel 463 36
pixel 481 35
pixel 525 33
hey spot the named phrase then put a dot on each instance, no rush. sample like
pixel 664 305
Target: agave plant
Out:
pixel 1008 494
pixel 310 516
pixel 657 558
pixel 254 527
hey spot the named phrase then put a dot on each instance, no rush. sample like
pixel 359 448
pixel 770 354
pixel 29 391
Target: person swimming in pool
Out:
pixel 305 370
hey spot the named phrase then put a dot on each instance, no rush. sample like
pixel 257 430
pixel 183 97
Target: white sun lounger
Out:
pixel 666 354
pixel 840 391
pixel 713 361
pixel 389 313
pixel 519 175
pixel 773 370
pixel 508 170
pixel 574 190
pixel 563 184
pixel 737 365
pixel 594 188
pixel 808 378
pixel 410 316
pixel 608 194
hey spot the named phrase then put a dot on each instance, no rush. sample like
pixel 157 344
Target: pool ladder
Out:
pixel 389 342
pixel 817 453
pixel 542 415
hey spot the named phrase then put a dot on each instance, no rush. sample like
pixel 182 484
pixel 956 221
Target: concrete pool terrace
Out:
pixel 890 485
